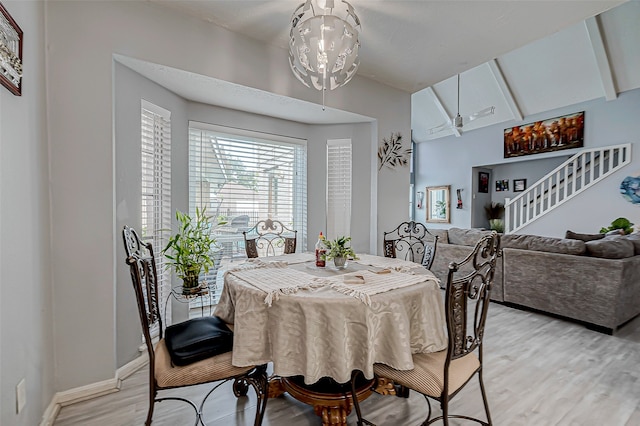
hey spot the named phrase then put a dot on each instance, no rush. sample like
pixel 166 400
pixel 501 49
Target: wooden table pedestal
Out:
pixel 331 401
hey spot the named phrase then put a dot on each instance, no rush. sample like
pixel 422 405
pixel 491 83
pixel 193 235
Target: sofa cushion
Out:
pixel 614 247
pixel 546 244
pixel 635 239
pixel 466 237
pixel 440 233
pixel 583 237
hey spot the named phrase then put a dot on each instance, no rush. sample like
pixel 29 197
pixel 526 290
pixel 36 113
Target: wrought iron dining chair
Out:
pixel 411 241
pixel 162 373
pixel 441 375
pixel 269 238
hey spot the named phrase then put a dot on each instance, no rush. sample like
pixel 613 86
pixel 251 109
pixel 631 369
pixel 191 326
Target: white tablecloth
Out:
pixel 320 332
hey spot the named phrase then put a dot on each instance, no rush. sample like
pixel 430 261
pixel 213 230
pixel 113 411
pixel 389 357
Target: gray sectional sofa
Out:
pixel 593 281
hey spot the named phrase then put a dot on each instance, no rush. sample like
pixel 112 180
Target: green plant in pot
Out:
pixel 190 250
pixel 339 251
pixel 494 212
pixel 622 224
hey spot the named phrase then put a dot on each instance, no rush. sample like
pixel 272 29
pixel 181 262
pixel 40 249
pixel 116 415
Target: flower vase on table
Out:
pixel 339 251
pixel 340 262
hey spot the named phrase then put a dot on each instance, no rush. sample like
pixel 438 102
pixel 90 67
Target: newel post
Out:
pixel 507 216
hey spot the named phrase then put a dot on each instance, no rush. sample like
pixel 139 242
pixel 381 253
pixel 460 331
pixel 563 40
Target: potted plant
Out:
pixel 494 212
pixel 339 251
pixel 621 224
pixel 189 251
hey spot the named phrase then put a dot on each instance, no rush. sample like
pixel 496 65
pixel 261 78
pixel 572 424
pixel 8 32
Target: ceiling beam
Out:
pixel 505 89
pixel 602 59
pixel 441 108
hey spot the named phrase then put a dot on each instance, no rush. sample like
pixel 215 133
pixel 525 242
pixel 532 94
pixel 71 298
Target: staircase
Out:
pixel 574 176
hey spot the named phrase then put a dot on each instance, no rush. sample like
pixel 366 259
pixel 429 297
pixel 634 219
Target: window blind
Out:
pixel 241 177
pixel 339 188
pixel 156 190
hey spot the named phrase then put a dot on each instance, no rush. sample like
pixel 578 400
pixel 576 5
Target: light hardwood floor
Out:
pixel 539 371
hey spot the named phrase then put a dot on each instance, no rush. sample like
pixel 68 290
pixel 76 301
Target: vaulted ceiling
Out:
pixel 522 57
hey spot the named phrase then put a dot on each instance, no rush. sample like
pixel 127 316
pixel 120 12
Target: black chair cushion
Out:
pixel 196 339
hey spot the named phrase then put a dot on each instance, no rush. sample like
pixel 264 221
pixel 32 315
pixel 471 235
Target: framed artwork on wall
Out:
pixel 502 185
pixel 438 204
pixel 519 185
pixel 550 135
pixel 10 53
pixel 483 182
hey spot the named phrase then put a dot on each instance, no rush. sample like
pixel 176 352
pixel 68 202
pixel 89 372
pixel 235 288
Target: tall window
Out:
pixel 242 177
pixel 338 188
pixel 156 186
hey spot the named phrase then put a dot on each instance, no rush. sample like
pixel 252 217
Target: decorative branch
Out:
pixel 391 153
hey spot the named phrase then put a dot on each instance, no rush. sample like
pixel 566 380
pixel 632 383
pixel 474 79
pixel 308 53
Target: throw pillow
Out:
pixel 546 244
pixel 635 239
pixel 197 339
pixel 611 248
pixel 583 237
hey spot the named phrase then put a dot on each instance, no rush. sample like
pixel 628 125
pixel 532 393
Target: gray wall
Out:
pixel 450 161
pixel 129 88
pixel 82 38
pixel 26 345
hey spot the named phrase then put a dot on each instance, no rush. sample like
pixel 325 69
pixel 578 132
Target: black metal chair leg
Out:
pixel 356 403
pixel 484 398
pixel 261 385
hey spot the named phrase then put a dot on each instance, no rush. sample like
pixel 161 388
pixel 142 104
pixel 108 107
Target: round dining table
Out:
pixel 318 325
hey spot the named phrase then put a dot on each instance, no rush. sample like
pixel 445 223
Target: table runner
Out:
pixel 375 283
pixel 275 278
pixel 388 263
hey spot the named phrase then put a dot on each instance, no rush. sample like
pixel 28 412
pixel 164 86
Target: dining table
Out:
pixel 317 325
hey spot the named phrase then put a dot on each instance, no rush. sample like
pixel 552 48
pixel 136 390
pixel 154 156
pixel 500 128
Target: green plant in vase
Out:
pixel 621 224
pixel 339 251
pixel 190 251
pixel 494 212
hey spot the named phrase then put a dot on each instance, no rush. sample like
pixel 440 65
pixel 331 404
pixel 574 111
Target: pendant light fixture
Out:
pixel 324 44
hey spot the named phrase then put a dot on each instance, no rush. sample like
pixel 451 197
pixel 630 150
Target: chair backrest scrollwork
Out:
pixel 472 286
pixel 411 241
pixel 269 238
pixel 144 277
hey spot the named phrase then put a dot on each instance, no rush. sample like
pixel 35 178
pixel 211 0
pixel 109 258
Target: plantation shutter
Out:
pixel 338 188
pixel 156 190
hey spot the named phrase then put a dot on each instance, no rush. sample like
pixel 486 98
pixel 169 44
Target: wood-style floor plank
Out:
pixel 539 371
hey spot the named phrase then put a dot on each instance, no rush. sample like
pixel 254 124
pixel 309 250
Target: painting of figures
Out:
pixel 545 136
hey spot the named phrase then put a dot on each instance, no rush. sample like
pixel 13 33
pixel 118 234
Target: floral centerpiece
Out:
pixel 339 251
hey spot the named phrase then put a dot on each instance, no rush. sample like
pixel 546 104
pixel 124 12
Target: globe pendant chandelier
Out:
pixel 323 47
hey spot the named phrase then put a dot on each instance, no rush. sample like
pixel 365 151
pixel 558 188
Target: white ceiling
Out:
pixel 522 56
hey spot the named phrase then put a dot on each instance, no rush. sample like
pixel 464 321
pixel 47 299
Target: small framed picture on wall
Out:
pixel 483 182
pixel 502 185
pixel 519 185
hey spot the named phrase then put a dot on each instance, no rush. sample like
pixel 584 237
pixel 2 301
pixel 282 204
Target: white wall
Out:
pixel 25 261
pixel 82 38
pixel 449 161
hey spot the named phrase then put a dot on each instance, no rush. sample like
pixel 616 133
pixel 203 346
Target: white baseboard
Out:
pixel 94 390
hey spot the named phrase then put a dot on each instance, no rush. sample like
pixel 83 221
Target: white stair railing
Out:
pixel 572 177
